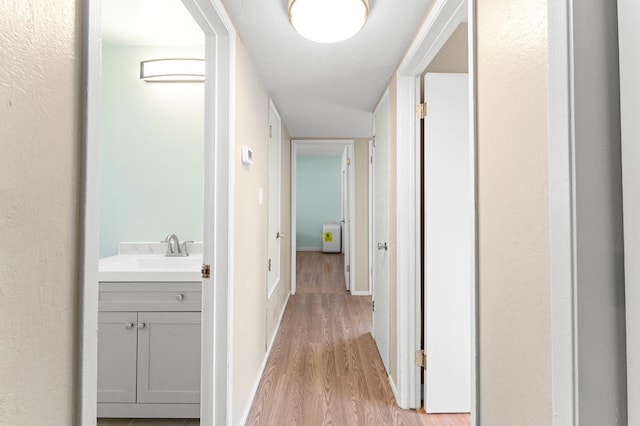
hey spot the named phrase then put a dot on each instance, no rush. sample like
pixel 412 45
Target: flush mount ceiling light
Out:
pixel 328 21
pixel 172 70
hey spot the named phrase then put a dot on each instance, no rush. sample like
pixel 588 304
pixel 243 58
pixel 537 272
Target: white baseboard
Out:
pixel 254 389
pixel 360 293
pixel 393 387
pixel 308 248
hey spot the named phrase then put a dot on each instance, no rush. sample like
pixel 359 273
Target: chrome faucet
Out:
pixel 174 248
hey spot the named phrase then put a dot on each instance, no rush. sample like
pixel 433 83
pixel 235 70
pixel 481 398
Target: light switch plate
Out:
pixel 247 155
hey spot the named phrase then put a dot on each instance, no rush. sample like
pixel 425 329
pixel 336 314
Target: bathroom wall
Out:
pixel 151 150
pixel 318 197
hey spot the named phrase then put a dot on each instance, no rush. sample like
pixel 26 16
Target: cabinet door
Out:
pixel 168 357
pixel 117 354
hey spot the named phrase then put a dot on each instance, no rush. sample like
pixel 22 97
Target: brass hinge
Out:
pixel 206 271
pixel 421 110
pixel 373 305
pixel 270 131
pixel 269 265
pixel 421 359
pixel 348 161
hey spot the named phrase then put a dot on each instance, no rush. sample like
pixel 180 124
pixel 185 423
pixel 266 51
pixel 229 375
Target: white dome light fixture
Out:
pixel 328 21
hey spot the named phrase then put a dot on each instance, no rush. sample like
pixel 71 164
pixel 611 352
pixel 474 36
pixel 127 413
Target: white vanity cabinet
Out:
pixel 149 349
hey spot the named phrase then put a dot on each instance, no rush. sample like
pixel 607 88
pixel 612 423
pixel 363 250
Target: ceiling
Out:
pixel 320 90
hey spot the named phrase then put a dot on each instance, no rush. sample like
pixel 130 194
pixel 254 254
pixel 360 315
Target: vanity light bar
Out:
pixel 175 70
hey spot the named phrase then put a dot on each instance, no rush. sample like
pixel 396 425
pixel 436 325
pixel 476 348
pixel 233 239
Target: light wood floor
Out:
pixel 324 367
pixel 148 422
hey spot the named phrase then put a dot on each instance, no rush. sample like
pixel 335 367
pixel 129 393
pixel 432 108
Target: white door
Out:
pixel 346 215
pixel 273 242
pixel 629 33
pixel 448 244
pixel 381 230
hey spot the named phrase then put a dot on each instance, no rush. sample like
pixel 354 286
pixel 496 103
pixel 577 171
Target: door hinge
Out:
pixel 348 161
pixel 421 359
pixel 269 265
pixel 206 271
pixel 372 159
pixel 421 110
pixel 373 305
pixel 270 131
pixel 348 268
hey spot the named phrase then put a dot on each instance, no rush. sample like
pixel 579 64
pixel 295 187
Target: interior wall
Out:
pixel 600 298
pixel 629 34
pixel 40 140
pixel 453 57
pixel 250 238
pixel 513 209
pixel 361 228
pixel 319 199
pixel 151 151
pixel 276 302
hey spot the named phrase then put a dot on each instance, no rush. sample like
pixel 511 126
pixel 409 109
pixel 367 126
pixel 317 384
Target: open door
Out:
pixel 448 250
pixel 381 229
pixel 346 214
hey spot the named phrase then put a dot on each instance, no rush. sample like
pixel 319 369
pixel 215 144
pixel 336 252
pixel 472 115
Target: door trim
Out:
pixel 443 19
pixel 219 100
pixel 330 143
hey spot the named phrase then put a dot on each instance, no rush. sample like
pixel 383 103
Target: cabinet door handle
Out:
pixel 180 297
pixel 141 325
pixel 128 325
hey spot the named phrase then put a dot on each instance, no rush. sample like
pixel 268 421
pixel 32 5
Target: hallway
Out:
pixel 324 367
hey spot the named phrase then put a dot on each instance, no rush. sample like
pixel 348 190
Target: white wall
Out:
pixel 151 150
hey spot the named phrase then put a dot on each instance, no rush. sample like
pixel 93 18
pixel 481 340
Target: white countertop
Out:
pixel 149 267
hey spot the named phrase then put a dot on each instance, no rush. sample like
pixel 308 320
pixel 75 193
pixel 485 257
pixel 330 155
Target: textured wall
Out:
pixel 514 295
pixel 40 77
pixel 250 238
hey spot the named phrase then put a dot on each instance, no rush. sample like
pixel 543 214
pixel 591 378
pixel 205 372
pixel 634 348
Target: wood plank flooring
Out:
pixel 324 368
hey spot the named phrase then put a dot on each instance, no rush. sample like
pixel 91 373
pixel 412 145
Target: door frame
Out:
pixel 219 133
pixel 330 144
pixel 443 19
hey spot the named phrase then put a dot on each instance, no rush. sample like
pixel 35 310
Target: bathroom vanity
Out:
pixel 149 315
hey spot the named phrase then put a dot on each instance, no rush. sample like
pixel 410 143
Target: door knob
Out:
pixel 383 246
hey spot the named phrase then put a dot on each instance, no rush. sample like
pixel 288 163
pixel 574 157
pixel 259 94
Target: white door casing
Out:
pixel 448 244
pixel 274 232
pixel 382 251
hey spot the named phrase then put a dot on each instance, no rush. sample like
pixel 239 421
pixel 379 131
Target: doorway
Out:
pixel 308 235
pixel 217 213
pixel 441 23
